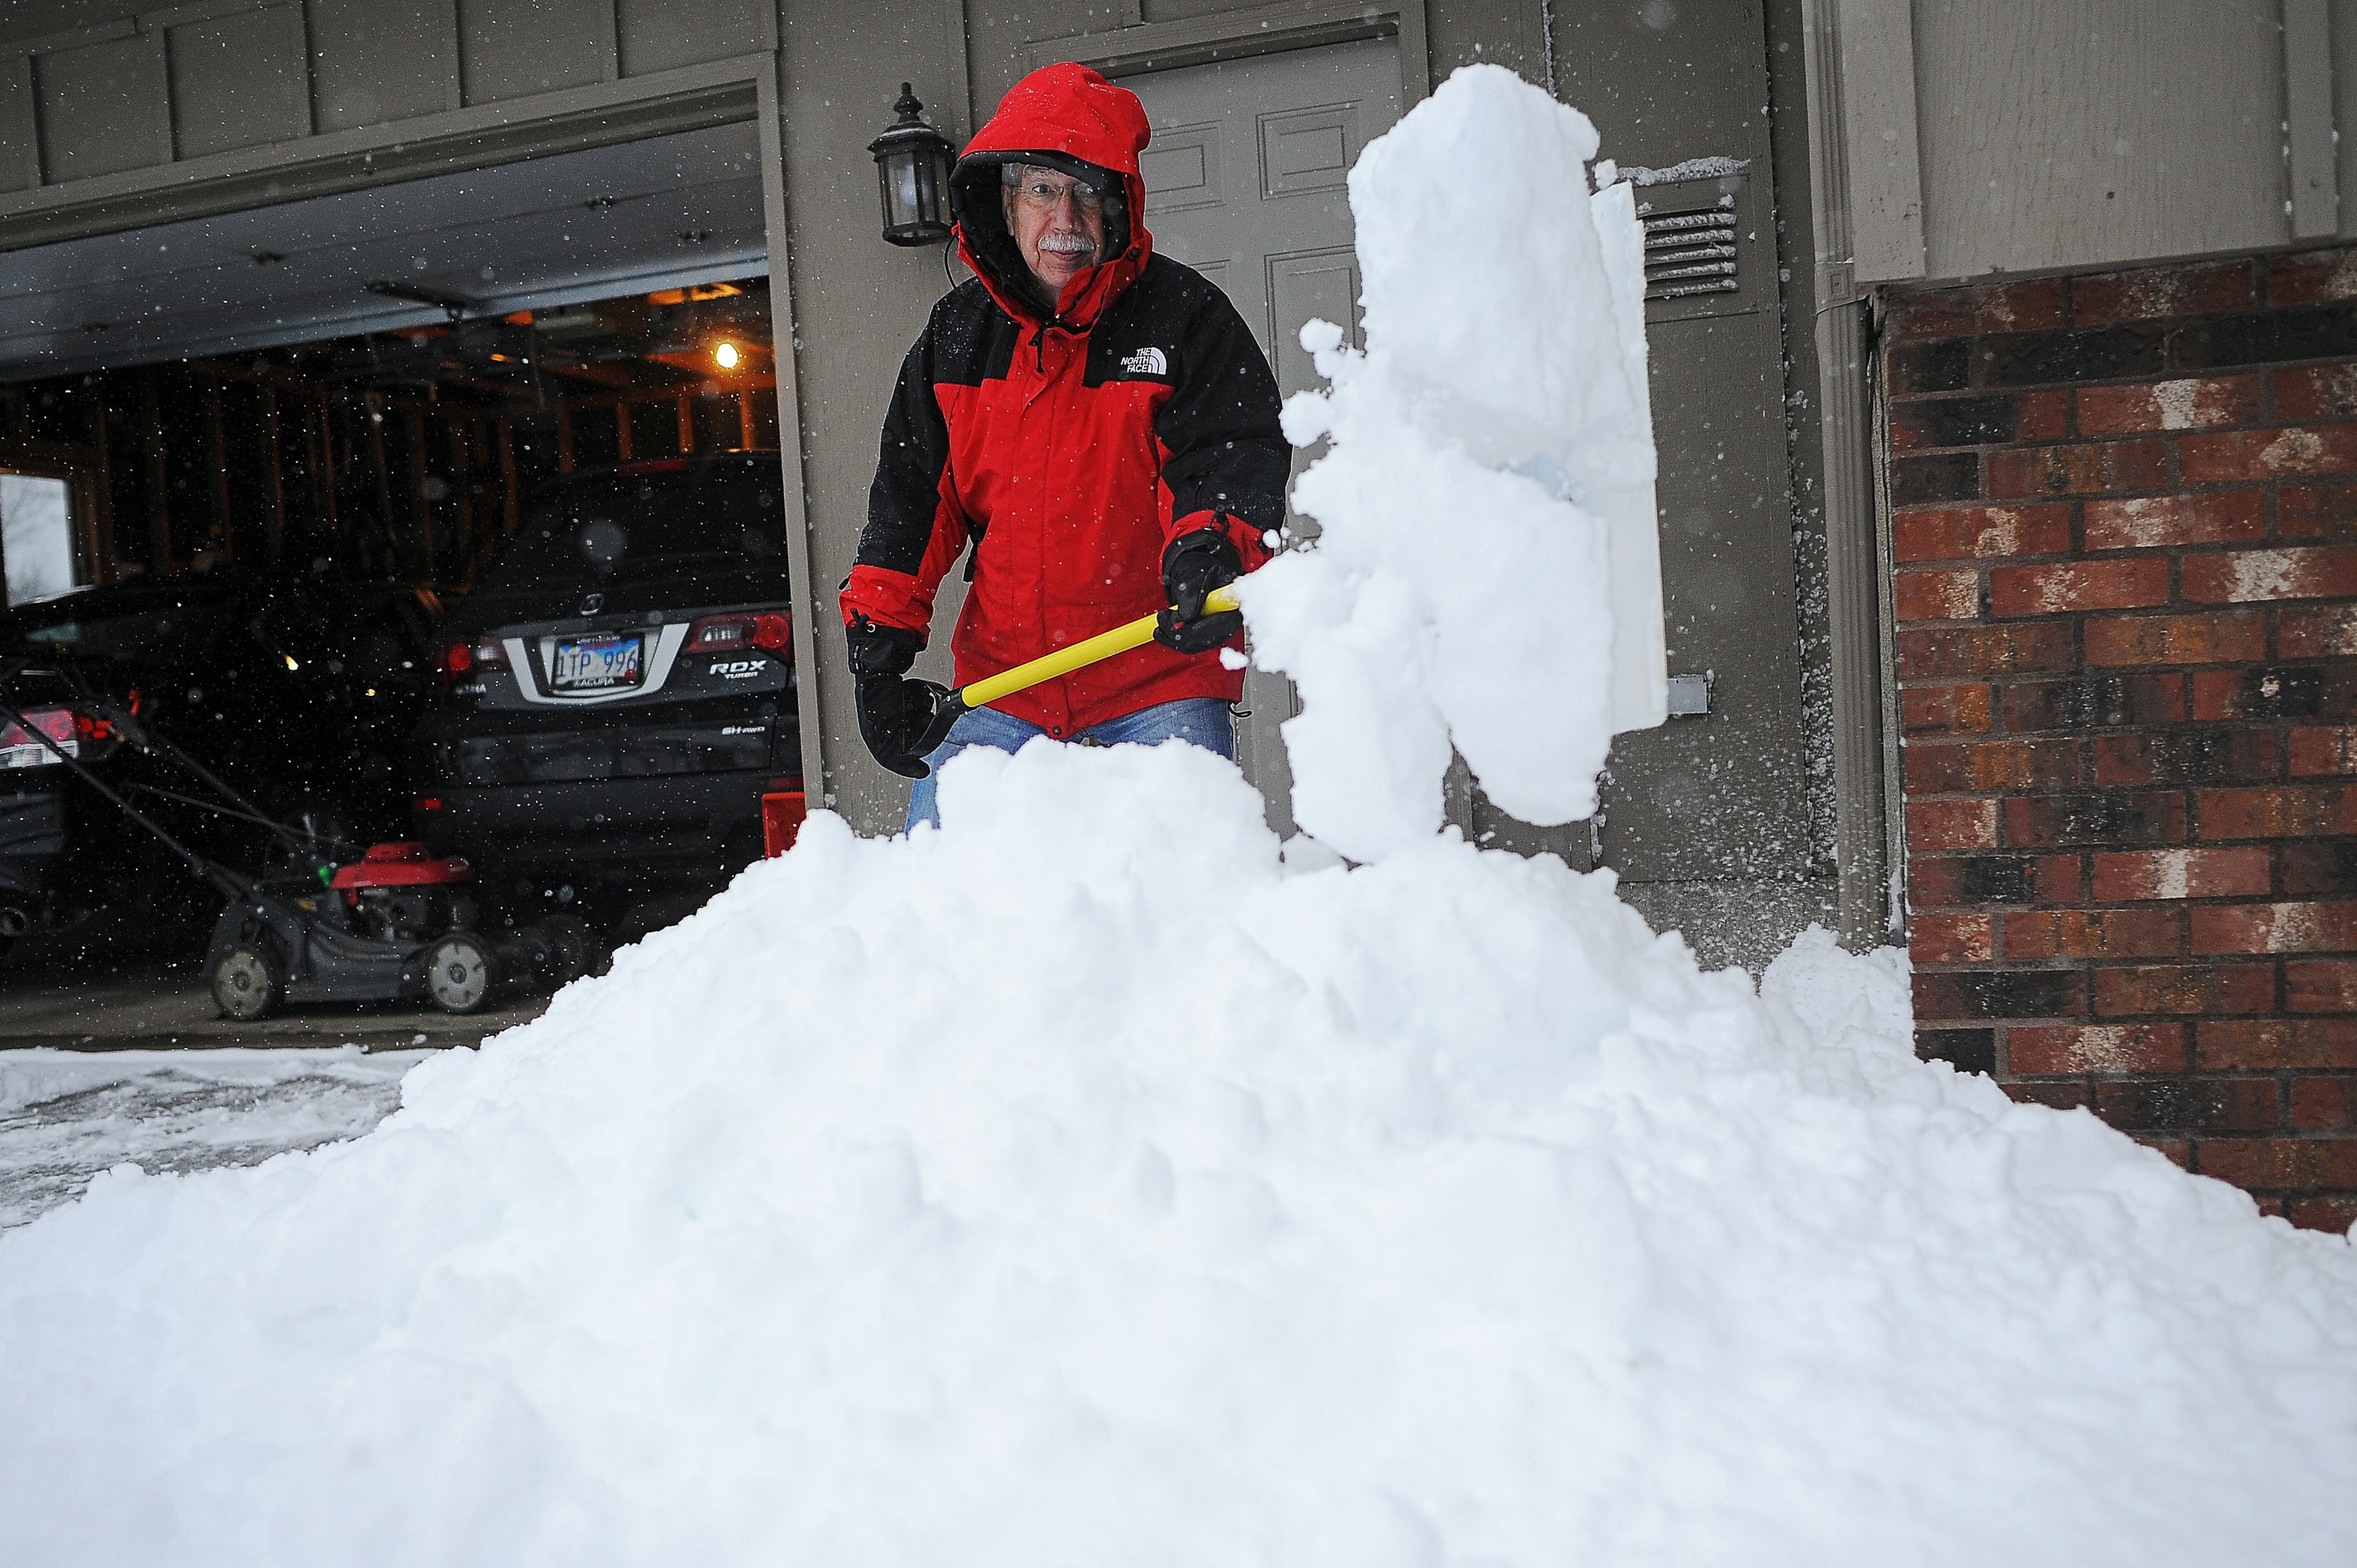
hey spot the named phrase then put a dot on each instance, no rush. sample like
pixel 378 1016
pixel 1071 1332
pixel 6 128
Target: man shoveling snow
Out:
pixel 1098 423
pixel 1091 1183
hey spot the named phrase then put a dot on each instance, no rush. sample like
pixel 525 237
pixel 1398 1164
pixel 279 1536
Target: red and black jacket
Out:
pixel 1068 443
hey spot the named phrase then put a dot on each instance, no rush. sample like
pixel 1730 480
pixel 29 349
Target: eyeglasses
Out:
pixel 1043 195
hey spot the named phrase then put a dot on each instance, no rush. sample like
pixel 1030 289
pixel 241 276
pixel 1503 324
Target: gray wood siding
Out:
pixel 239 81
pixel 661 35
pixel 2074 133
pixel 507 50
pixel 372 61
pixel 20 140
pixel 89 89
pixel 102 107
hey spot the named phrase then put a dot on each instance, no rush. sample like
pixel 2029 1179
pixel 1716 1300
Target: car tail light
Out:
pixel 95 736
pixel 467 655
pixel 20 748
pixel 771 631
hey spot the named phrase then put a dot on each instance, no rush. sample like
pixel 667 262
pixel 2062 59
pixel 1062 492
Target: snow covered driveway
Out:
pixel 66 1115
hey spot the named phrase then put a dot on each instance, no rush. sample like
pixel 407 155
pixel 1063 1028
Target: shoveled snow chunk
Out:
pixel 1491 462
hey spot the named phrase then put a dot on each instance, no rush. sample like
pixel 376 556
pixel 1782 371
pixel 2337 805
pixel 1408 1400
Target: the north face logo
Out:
pixel 1147 362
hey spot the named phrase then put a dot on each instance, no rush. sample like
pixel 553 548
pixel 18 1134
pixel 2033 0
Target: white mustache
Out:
pixel 1075 244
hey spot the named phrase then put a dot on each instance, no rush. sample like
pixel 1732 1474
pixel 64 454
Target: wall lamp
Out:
pixel 912 162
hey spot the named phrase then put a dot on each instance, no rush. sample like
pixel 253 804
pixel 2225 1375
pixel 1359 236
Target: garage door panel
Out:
pixel 533 232
pixel 525 249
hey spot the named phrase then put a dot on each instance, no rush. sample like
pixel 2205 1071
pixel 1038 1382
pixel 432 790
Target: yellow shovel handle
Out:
pixel 1063 661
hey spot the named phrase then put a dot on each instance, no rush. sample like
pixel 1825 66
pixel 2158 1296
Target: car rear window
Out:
pixel 632 525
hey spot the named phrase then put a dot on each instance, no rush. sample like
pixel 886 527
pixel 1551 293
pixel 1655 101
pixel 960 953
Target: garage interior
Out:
pixel 368 388
pixel 383 377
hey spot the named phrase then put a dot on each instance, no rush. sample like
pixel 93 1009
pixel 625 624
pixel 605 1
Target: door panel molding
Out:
pixel 1272 227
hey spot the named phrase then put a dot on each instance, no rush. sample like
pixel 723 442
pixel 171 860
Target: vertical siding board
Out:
pixel 2307 119
pixel 239 81
pixel 372 63
pixel 20 142
pixel 2077 132
pixel 103 108
pixel 1886 175
pixel 507 50
pixel 2342 25
pixel 660 34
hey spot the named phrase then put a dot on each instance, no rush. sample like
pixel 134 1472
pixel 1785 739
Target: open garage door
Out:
pixel 662 212
pixel 254 467
pixel 381 377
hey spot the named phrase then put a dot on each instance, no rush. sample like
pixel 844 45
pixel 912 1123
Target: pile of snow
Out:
pixel 67 1115
pixel 1486 571
pixel 1086 1187
pixel 1092 1182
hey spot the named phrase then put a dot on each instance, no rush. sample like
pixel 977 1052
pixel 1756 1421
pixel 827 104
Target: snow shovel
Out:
pixel 949 705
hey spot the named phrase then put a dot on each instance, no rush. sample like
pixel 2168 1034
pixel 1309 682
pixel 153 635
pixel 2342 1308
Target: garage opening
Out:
pixel 407 452
pixel 253 467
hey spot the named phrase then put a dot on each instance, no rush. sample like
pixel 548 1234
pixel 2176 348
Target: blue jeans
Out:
pixel 1199 721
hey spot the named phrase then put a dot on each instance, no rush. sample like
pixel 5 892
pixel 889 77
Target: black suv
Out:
pixel 619 687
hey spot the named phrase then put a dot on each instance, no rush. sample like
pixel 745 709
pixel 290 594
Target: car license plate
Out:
pixel 599 663
pixel 33 754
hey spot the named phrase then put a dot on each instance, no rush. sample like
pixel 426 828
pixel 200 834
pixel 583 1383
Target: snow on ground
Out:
pixel 1092 1181
pixel 67 1115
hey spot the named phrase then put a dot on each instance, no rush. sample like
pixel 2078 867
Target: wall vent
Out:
pixel 1691 251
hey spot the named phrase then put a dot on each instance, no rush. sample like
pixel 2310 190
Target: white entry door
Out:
pixel 1245 182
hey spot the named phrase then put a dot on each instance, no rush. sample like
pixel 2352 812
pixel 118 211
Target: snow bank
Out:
pixel 1487 570
pixel 1087 1187
pixel 1090 1182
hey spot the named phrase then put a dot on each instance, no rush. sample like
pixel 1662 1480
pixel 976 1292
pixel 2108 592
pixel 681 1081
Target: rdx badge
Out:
pixel 735 668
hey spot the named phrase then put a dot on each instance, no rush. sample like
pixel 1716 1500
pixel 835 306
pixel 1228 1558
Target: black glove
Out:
pixel 1192 566
pixel 895 713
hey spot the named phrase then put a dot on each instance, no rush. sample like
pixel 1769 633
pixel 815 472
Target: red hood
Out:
pixel 1070 113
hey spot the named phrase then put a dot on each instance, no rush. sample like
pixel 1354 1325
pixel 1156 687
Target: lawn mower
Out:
pixel 392 923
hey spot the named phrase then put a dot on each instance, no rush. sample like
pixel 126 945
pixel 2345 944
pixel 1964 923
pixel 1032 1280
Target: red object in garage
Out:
pixel 781 817
pixel 405 864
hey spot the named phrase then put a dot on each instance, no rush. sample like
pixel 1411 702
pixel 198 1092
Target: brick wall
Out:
pixel 2126 539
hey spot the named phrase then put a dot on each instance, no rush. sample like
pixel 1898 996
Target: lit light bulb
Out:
pixel 727 355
